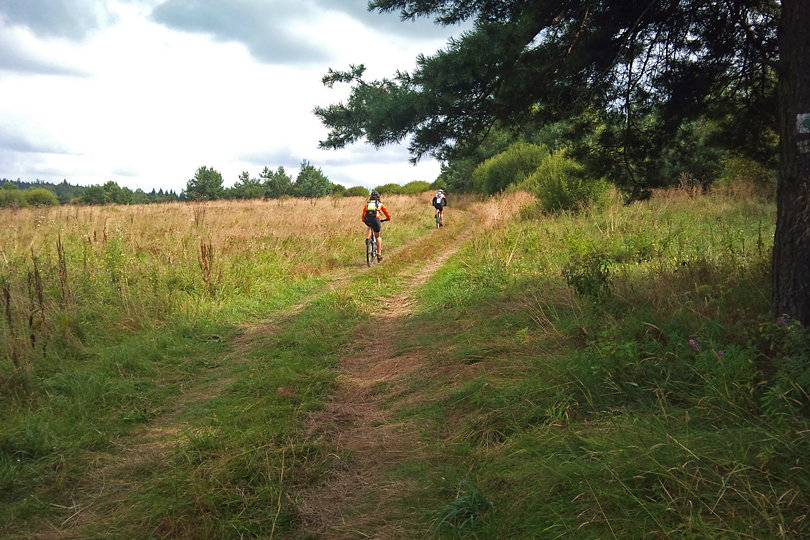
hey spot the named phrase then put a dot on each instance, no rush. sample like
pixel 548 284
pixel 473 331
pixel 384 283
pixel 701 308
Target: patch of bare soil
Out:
pixel 358 428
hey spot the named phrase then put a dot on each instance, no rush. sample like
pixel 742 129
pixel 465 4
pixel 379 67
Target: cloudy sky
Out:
pixel 143 92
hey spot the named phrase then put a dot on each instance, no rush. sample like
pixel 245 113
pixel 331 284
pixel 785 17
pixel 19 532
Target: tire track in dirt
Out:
pixel 356 427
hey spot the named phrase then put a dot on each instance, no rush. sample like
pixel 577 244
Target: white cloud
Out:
pixel 155 103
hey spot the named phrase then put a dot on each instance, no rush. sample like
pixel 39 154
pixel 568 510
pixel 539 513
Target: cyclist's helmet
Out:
pixel 375 194
pixel 441 191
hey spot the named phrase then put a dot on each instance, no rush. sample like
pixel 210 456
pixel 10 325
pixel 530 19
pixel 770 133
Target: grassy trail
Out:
pixel 608 374
pixel 131 479
pixel 356 425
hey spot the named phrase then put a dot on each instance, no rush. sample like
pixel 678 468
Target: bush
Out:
pixel 356 191
pixel 511 166
pixel 559 185
pixel 41 197
pixel 416 187
pixel 12 198
pixel 589 274
pixel 739 175
pixel 439 183
pixel 390 189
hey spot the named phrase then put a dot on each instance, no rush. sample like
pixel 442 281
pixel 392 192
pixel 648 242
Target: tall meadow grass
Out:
pixel 109 312
pixel 615 373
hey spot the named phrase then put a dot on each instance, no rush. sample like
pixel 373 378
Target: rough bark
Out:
pixel 791 252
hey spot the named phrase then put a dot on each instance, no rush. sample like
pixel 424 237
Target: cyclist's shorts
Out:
pixel 438 206
pixel 373 222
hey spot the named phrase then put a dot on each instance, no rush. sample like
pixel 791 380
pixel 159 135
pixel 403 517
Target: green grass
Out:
pixel 229 472
pixel 612 374
pixel 647 398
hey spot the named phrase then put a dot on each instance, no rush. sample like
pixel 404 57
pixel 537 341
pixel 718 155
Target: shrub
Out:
pixel 415 187
pixel 740 176
pixel 390 189
pixel 559 184
pixel 12 198
pixel 511 166
pixel 589 275
pixel 41 197
pixel 439 183
pixel 356 191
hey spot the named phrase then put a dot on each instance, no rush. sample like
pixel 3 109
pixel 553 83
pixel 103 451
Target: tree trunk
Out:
pixel 791 250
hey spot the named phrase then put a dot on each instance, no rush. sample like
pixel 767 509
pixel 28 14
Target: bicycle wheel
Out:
pixel 438 220
pixel 371 247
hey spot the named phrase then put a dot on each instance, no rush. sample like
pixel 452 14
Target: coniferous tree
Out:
pixel 205 186
pixel 630 74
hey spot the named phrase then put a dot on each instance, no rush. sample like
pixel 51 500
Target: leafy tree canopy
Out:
pixel 628 74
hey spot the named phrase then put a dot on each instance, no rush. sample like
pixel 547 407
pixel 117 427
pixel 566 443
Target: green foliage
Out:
pixel 41 197
pixel 12 198
pixel 609 419
pixel 246 188
pixel 510 167
pixel 205 186
pixel 457 170
pixel 116 194
pixel 277 183
pixel 311 182
pixel 439 183
pixel 560 184
pixel 525 62
pixel 415 187
pixel 64 192
pixel 740 171
pixel 389 189
pixel 95 195
pixel 356 191
pixel 589 275
pixel 787 394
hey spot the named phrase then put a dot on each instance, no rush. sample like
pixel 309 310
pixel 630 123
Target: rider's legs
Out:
pixel 379 245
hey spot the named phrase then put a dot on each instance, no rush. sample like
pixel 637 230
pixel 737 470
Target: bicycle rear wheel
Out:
pixel 371 247
pixel 438 220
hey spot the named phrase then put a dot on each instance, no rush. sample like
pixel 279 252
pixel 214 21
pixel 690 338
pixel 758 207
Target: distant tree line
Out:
pixel 207 184
pixel 19 194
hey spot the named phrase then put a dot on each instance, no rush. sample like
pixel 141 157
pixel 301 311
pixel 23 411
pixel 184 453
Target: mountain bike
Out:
pixel 372 250
pixel 439 221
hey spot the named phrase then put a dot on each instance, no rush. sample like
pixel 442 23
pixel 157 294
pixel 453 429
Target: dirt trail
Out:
pixel 353 422
pixel 358 429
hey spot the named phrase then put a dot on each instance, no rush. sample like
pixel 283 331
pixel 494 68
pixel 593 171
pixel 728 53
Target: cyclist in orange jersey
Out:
pixel 371 217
